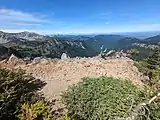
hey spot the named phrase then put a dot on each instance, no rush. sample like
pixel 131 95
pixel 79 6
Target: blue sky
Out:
pixel 79 16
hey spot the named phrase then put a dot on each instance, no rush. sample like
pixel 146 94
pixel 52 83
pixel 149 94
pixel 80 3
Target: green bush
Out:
pixel 17 88
pixel 36 111
pixel 66 116
pixel 102 98
pixel 151 68
pixel 142 66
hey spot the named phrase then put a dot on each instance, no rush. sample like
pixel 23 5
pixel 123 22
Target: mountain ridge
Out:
pixel 29 44
pixel 34 45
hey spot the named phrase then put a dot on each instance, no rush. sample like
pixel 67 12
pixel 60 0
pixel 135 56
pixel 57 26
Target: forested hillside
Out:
pixel 33 45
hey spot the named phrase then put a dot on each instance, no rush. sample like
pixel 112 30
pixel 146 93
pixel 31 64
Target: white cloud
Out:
pixel 98 30
pixel 19 16
pixel 39 31
pixel 16 20
pixel 15 30
pixel 150 25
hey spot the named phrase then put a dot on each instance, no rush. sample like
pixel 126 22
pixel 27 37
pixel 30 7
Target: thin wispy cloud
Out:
pixel 27 24
pixel 150 26
pixel 19 16
pixel 18 20
pixel 105 15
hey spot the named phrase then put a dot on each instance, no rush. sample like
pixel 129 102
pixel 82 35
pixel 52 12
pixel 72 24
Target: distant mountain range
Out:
pixel 26 44
pixel 32 45
pixel 141 35
pixel 22 36
pixel 96 41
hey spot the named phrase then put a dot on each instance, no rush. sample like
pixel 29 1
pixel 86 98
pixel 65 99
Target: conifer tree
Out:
pixel 154 60
pixel 152 64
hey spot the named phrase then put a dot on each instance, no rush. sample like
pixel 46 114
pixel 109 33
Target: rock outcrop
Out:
pixel 64 56
pixel 114 54
pixel 13 60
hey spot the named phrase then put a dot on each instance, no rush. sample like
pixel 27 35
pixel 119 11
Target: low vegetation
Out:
pixel 110 98
pixel 151 68
pixel 18 97
pixel 107 98
pixel 102 98
pixel 37 110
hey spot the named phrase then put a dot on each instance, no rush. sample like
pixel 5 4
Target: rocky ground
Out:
pixel 59 74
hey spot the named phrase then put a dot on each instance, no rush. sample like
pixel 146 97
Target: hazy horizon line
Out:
pixel 73 33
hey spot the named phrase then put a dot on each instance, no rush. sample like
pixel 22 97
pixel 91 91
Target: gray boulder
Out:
pixel 45 60
pixel 14 60
pixel 36 60
pixel 64 56
pixel 110 53
pixel 27 59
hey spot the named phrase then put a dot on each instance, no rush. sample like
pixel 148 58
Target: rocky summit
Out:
pixel 59 74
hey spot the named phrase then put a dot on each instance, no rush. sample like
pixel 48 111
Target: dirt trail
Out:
pixel 59 74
